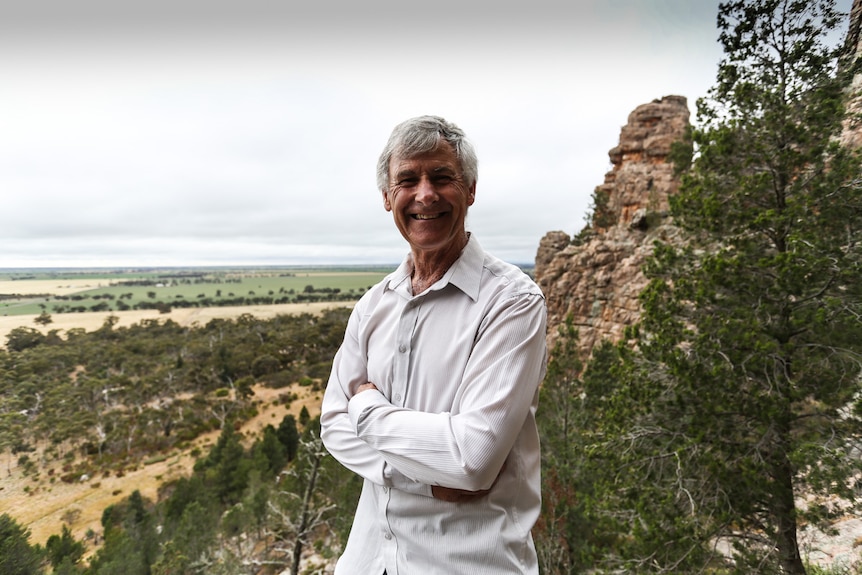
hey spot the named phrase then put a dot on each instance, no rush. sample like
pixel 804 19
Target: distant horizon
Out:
pixel 149 267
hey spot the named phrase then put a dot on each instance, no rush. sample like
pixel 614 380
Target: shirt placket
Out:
pixel 398 395
pixel 403 348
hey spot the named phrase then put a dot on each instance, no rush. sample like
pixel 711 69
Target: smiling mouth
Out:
pixel 426 216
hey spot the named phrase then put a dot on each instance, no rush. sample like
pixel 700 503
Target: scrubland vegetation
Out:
pixel 99 403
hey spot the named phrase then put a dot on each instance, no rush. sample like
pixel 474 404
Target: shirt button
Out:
pixel 398 397
pixel 402 348
pixel 387 536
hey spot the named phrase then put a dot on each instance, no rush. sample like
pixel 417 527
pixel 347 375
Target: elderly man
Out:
pixel 433 393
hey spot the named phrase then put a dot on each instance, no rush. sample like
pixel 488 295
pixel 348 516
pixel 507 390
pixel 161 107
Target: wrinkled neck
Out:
pixel 429 267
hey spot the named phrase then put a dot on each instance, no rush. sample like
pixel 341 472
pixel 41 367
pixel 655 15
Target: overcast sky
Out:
pixel 211 132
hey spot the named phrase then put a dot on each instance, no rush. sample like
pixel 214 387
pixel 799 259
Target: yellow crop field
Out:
pixel 184 316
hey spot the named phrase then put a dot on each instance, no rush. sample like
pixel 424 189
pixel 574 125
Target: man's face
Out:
pixel 428 199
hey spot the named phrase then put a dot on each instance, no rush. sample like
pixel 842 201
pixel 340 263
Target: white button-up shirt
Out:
pixel 458 369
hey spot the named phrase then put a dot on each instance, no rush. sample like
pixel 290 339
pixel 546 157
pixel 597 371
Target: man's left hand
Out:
pixel 365 387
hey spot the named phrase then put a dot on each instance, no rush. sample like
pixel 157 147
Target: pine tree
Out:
pixel 577 527
pixel 17 556
pixel 64 548
pixel 743 398
pixel 556 532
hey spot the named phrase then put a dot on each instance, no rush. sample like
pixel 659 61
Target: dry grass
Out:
pixel 90 321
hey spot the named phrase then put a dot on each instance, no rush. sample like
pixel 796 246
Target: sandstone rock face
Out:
pixel 597 277
pixel 641 179
pixel 852 135
pixel 853 41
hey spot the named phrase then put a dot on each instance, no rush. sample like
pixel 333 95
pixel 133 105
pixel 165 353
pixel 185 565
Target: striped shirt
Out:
pixel 458 369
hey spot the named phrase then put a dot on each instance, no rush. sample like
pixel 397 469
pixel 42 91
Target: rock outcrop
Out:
pixel 596 277
pixel 853 41
pixel 852 135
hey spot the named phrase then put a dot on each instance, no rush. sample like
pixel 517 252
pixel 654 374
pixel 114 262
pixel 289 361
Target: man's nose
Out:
pixel 426 193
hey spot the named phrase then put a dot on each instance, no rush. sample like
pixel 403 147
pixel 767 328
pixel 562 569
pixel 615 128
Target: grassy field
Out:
pixel 60 292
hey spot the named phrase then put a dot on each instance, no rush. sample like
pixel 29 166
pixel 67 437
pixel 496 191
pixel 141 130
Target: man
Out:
pixel 433 393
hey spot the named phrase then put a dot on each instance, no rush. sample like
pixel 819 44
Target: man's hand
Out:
pixel 457 495
pixel 453 495
pixel 365 387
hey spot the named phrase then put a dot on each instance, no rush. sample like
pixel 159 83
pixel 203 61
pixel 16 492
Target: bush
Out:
pixel 22 338
pixel 264 365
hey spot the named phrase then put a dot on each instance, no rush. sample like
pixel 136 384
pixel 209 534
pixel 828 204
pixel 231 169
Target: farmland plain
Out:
pixel 67 299
pixel 79 291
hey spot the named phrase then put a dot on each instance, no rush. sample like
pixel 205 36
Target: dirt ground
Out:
pixel 42 505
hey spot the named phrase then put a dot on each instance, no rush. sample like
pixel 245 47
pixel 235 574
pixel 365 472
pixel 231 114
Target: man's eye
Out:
pixel 407 182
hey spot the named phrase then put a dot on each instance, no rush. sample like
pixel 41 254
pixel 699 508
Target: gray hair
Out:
pixel 424 134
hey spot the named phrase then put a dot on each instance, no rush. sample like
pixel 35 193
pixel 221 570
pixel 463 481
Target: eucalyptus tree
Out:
pixel 742 399
pixel 301 512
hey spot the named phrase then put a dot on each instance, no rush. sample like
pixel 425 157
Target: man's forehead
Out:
pixel 441 158
pixel 418 164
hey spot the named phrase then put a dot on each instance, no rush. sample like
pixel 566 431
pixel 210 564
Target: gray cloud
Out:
pixel 170 133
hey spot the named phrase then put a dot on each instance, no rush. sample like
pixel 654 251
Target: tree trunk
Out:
pixel 785 519
pixel 304 526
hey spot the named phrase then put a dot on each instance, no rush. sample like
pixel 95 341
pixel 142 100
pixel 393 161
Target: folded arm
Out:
pixel 463 450
pixel 466 448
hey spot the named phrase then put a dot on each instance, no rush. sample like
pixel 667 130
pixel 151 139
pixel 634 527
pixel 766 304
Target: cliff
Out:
pixel 596 277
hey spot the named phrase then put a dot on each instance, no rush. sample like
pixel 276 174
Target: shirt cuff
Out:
pixel 358 407
pixel 397 480
pixel 361 403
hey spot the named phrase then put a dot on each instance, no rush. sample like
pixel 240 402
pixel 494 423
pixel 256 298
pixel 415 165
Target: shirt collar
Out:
pixel 465 273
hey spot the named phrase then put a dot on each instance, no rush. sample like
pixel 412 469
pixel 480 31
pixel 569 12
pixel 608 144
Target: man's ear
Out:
pixel 471 195
pixel 386 205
